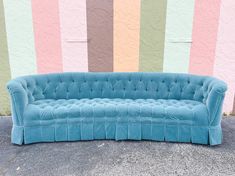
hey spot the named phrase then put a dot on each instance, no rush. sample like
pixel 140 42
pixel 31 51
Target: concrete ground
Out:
pixel 117 158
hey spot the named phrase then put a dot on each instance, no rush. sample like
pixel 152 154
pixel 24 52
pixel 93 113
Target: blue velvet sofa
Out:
pixel 120 106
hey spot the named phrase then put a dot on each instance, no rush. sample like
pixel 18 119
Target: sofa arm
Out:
pixel 19 100
pixel 214 101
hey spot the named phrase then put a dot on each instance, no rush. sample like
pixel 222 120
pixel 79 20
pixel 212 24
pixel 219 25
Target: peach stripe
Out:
pixel 225 51
pixel 126 35
pixel 47 35
pixel 74 35
pixel 205 27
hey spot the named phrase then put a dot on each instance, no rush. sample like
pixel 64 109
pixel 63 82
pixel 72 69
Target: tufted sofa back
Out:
pixel 116 85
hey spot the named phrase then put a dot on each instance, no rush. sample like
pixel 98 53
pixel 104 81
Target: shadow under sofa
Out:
pixel 122 106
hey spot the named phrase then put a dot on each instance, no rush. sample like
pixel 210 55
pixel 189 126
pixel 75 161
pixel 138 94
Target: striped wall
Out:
pixel 192 36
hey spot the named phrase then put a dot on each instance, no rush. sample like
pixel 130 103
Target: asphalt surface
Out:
pixel 117 158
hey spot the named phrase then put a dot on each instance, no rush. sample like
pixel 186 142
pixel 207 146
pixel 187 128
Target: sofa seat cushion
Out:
pixel 178 111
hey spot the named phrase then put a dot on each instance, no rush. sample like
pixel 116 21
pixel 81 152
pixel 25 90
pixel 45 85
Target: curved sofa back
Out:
pixel 116 85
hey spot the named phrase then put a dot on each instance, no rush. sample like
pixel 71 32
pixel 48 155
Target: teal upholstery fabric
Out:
pixel 120 106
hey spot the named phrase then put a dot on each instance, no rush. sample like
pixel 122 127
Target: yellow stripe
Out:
pixel 5 74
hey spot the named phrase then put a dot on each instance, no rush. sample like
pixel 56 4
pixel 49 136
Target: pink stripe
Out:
pixel 205 27
pixel 225 51
pixel 47 35
pixel 74 35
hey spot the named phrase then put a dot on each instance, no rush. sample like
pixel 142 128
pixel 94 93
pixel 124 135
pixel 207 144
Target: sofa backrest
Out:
pixel 116 85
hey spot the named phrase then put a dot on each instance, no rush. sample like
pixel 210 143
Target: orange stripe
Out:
pixel 126 35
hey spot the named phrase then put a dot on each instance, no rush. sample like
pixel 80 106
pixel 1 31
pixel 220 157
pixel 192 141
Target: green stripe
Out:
pixel 152 34
pixel 20 37
pixel 4 65
pixel 178 37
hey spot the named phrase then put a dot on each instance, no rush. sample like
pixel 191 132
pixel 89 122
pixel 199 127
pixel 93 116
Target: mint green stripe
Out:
pixel 152 34
pixel 4 66
pixel 20 37
pixel 178 37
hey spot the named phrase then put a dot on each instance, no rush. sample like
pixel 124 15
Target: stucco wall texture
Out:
pixel 192 36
